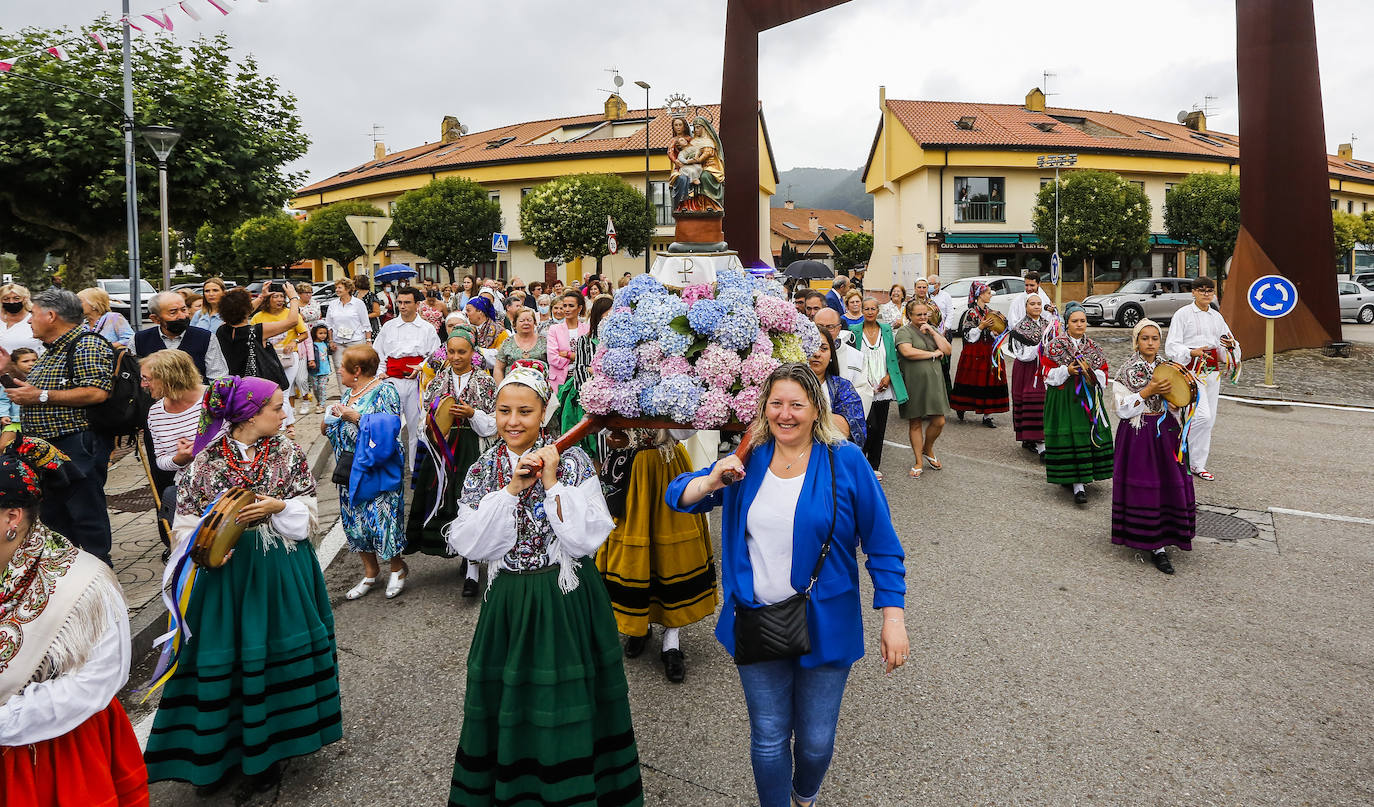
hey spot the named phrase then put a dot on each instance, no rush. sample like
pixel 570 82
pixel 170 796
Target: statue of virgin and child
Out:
pixel 698 175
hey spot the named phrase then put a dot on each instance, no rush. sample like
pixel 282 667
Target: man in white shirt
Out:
pixel 850 359
pixel 1017 312
pixel 402 344
pixel 1200 340
pixel 943 302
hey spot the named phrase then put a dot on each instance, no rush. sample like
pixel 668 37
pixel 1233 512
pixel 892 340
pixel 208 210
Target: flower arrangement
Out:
pixel 698 357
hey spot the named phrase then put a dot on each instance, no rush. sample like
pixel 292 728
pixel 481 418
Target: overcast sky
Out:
pixel 404 64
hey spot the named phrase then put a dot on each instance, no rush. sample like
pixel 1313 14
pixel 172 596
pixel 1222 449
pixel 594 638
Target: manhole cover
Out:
pixel 134 501
pixel 1224 527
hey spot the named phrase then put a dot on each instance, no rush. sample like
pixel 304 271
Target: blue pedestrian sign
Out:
pixel 1054 269
pixel 500 242
pixel 1272 296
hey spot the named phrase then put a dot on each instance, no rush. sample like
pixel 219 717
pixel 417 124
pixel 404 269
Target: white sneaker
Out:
pixel 304 410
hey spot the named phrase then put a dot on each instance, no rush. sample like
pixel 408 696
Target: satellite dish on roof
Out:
pixel 463 128
pixel 619 82
pixel 1183 116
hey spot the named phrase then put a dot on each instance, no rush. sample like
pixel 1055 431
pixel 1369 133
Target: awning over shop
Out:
pixel 988 239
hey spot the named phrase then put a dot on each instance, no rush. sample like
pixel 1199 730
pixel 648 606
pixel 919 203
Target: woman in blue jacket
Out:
pixel 775 520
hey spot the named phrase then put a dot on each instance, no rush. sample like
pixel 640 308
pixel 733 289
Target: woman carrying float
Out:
pixel 1078 436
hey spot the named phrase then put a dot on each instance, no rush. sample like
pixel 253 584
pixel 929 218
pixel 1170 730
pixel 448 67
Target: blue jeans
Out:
pixel 792 714
pixel 77 510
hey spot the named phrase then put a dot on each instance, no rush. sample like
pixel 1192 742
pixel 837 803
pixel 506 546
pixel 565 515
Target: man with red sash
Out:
pixel 403 344
pixel 1200 340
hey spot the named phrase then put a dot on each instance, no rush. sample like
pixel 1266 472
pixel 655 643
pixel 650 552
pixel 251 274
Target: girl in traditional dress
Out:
pixel 64 630
pixel 546 714
pixel 978 386
pixel 1027 381
pixel 1152 492
pixel 371 521
pixel 258 681
pixel 441 468
pixel 657 563
pixel 1078 436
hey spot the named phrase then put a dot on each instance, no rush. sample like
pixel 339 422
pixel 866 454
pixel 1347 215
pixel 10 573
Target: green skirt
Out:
pixel 1070 455
pixel 258 682
pixel 428 538
pixel 546 715
pixel 571 413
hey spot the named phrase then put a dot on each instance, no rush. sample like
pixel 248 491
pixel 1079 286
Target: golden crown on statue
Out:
pixel 677 104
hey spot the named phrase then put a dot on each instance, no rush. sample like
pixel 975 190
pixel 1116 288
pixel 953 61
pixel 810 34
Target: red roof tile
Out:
pixel 800 218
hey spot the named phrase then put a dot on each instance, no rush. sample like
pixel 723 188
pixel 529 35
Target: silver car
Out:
pixel 1357 302
pixel 1154 297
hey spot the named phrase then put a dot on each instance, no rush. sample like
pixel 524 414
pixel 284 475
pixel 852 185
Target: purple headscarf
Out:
pixel 975 291
pixel 231 400
pixel 484 305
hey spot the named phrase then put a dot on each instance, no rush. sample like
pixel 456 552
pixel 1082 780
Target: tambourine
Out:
pixel 995 322
pixel 442 417
pixel 220 531
pixel 1182 384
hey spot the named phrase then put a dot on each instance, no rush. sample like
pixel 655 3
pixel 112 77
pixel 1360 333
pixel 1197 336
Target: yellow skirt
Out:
pixel 657 562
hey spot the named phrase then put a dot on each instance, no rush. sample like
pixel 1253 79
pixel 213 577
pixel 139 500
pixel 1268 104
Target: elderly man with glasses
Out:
pixel 172 330
pixel 850 359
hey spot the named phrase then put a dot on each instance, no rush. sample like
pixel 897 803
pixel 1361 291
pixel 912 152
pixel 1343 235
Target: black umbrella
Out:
pixel 807 270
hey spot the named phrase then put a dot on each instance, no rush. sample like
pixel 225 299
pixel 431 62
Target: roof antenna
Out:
pixel 1207 102
pixel 617 80
pixel 378 132
pixel 1045 77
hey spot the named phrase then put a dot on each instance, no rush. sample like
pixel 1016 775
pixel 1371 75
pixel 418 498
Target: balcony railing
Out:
pixel 980 211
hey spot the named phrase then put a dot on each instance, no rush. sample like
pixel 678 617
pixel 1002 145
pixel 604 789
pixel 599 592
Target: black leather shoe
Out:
pixel 1029 445
pixel 263 782
pixel 215 787
pixel 1081 497
pixel 1041 456
pixel 469 587
pixel 960 413
pixel 987 421
pixel 635 644
pixel 674 665
pixel 1162 562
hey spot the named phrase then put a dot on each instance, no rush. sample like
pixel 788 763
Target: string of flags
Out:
pixel 155 21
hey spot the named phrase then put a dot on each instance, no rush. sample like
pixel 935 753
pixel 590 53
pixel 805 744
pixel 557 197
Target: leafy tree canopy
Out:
pixel 326 234
pixel 855 248
pixel 214 251
pixel 1203 211
pixel 565 219
pixel 1100 215
pixel 62 160
pixel 269 242
pixel 449 221
pixel 1348 230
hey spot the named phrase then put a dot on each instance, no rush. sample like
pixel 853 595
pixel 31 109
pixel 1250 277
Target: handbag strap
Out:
pixel 834 512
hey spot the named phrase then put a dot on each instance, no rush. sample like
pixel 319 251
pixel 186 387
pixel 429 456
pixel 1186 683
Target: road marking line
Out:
pixel 1263 402
pixel 1323 516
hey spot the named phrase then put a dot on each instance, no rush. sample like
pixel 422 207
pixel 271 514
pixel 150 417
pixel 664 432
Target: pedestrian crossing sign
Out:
pixel 500 242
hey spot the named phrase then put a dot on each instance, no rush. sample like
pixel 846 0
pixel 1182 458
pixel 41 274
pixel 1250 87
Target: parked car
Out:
pixel 1154 297
pixel 1357 302
pixel 1004 287
pixel 1365 279
pixel 118 289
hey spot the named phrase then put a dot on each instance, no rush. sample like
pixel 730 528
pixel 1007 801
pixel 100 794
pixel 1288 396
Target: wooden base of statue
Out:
pixel 698 232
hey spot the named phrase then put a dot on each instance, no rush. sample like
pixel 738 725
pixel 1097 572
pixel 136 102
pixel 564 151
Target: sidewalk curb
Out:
pixel 1280 396
pixel 151 621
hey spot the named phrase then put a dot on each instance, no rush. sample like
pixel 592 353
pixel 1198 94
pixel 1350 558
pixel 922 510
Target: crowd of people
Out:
pixel 443 424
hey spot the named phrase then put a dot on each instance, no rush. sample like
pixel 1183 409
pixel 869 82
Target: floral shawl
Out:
pixel 285 474
pixel 975 321
pixel 1060 352
pixel 479 393
pixel 1134 375
pixel 535 541
pixel 1030 331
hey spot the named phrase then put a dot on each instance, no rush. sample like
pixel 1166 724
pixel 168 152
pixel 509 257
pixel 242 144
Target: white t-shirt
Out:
pixel 768 533
pixel 348 322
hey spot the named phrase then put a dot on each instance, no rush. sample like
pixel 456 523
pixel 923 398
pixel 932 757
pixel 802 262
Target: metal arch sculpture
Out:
pixel 739 102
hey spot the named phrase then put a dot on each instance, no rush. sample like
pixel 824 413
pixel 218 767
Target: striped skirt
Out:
pixel 977 385
pixel 1152 494
pixel 657 562
pixel 258 682
pixel 1070 455
pixel 546 714
pixel 1027 401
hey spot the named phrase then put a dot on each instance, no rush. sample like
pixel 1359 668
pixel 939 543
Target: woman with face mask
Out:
pixel 16 331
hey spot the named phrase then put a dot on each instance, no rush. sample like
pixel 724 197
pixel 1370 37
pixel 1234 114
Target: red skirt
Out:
pixel 977 385
pixel 97 764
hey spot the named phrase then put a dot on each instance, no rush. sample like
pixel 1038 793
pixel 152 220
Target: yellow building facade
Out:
pixel 954 186
pixel 512 160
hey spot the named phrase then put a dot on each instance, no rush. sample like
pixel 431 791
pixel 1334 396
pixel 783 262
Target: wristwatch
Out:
pixel 43 396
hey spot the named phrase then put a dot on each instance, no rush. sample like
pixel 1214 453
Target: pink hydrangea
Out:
pixel 597 395
pixel 762 344
pixel 718 366
pixel 713 411
pixel 650 353
pixel 696 291
pixel 673 365
pixel 755 370
pixel 746 404
pixel 776 316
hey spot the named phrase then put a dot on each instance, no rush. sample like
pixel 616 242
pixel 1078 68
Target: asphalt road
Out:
pixel 1049 667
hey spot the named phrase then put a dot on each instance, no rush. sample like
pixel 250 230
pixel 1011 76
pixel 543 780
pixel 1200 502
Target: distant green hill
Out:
pixel 825 189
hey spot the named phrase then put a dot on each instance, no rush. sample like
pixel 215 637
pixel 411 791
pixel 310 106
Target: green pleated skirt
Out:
pixel 570 413
pixel 258 682
pixel 1070 455
pixel 428 537
pixel 546 715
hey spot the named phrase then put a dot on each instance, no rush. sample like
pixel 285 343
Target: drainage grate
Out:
pixel 138 500
pixel 1225 527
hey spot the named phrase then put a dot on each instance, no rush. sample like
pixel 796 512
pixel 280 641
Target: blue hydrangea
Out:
pixel 808 333
pixel 675 397
pixel 652 314
pixel 735 297
pixel 769 286
pixel 639 287
pixel 705 316
pixel 674 343
pixel 618 330
pixel 619 363
pixel 738 330
pixel 733 279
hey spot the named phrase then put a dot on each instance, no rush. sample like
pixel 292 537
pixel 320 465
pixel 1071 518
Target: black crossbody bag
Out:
pixel 779 631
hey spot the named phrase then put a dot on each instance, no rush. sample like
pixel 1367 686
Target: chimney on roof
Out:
pixel 615 107
pixel 813 223
pixel 450 130
pixel 1035 100
pixel 1196 120
pixel 379 151
pixel 867 226
pixel 789 205
pixel 1346 151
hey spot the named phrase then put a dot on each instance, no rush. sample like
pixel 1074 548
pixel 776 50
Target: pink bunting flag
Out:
pixel 130 23
pixel 57 52
pixel 190 11
pixel 160 19
pixel 100 40
pixel 219 7
pixel 6 67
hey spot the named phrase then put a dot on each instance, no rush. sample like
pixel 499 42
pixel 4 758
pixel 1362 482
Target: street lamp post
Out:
pixel 1058 161
pixel 161 139
pixel 648 202
pixel 130 175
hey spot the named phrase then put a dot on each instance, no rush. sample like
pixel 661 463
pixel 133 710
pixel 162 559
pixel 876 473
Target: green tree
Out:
pixel 1348 230
pixel 1101 215
pixel 214 251
pixel 1203 211
pixel 270 242
pixel 565 219
pixel 855 248
pixel 62 160
pixel 449 221
pixel 787 255
pixel 326 234
pixel 116 261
